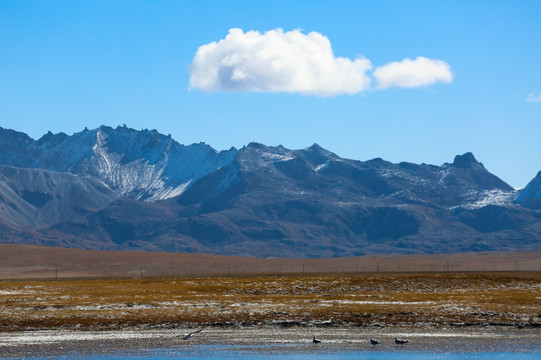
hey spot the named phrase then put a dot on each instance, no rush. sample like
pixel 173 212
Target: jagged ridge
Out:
pixel 262 201
pixel 143 165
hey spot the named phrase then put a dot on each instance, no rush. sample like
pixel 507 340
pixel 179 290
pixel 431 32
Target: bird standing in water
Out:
pixel 400 341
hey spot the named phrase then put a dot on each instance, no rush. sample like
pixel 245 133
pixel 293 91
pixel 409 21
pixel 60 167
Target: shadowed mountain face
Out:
pixel 37 198
pixel 530 196
pixel 140 190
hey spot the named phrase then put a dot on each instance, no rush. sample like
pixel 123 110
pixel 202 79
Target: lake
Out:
pixel 219 352
pixel 275 343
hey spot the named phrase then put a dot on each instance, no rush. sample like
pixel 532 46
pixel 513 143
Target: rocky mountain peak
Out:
pixel 465 161
pixel 143 164
pixel 103 188
pixel 11 138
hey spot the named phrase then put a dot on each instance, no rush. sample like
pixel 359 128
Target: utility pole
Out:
pixel 141 272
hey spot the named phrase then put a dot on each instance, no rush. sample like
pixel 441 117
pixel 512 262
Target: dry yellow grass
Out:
pixel 354 299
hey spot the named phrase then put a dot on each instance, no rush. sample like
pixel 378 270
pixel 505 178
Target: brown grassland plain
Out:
pixel 348 299
pixel 46 262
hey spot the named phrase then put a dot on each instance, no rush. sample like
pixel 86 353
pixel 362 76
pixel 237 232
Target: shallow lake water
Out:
pixel 275 343
pixel 220 352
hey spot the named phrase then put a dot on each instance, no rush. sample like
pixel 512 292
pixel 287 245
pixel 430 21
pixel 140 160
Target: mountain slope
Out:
pixel 143 165
pixel 530 196
pixel 37 198
pixel 259 200
pixel 271 201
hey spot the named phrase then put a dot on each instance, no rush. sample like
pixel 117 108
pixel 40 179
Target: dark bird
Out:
pixel 374 341
pixel 187 336
pixel 400 341
pixel 316 341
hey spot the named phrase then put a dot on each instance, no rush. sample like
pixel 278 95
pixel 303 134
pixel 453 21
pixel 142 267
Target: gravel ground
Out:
pixel 269 339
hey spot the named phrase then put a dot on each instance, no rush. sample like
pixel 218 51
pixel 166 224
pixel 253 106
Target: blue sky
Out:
pixel 66 65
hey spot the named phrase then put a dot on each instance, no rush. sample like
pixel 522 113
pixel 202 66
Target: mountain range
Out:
pixel 124 189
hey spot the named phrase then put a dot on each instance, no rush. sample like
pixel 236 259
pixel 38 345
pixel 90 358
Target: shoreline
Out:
pixel 278 324
pixel 269 339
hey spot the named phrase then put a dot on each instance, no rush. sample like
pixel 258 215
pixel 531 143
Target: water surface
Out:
pixel 275 343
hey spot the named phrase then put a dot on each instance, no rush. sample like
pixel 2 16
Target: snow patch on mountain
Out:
pixel 475 199
pixel 272 157
pixel 144 165
pixel 321 166
pixel 163 171
pixel 403 175
pixel 442 176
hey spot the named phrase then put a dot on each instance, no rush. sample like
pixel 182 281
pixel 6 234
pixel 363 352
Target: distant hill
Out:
pixel 123 189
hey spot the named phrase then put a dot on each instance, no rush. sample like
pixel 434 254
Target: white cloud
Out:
pixel 413 73
pixel 277 61
pixel 292 62
pixel 534 98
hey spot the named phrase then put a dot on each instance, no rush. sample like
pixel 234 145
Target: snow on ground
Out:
pixel 11 292
pixel 476 200
pixel 365 302
pixel 404 175
pixel 272 157
pixel 319 167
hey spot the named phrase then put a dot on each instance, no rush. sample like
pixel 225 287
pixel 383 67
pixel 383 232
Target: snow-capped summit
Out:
pixel 144 165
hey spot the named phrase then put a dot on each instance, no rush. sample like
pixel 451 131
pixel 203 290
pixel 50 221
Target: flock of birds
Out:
pixel 315 340
pixel 372 341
